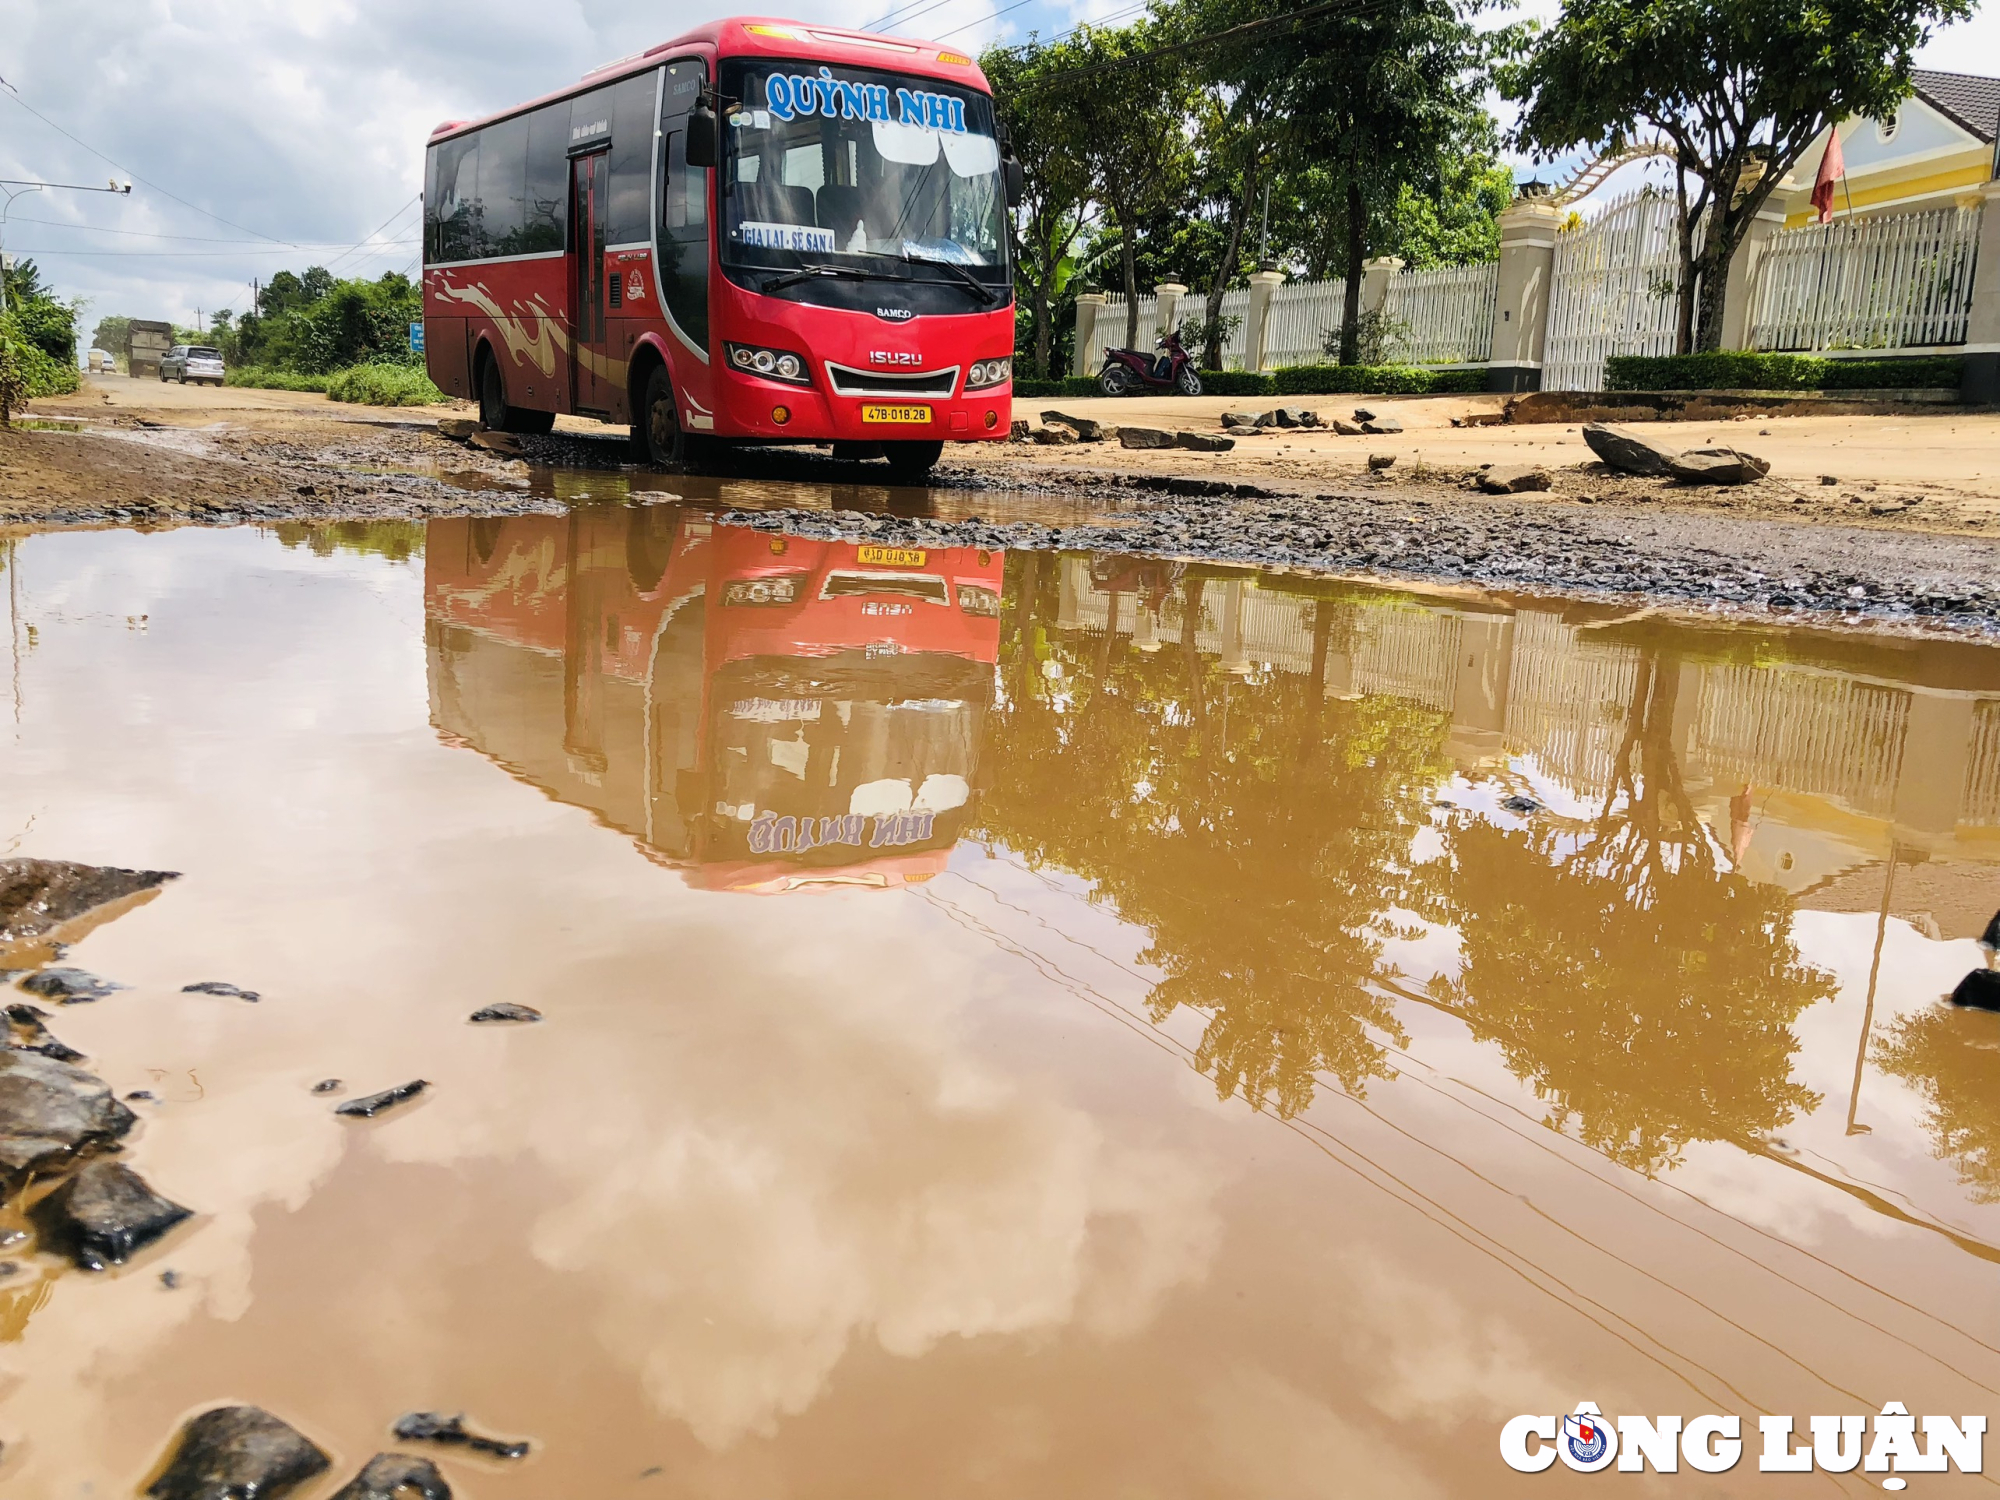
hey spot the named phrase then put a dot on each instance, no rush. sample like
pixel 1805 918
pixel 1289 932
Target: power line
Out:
pixel 903 14
pixel 279 249
pixel 134 175
pixel 194 239
pixel 982 20
pixel 1228 33
pixel 403 209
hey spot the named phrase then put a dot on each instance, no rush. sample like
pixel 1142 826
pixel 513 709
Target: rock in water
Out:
pixel 436 1427
pixel 1144 437
pixel 505 1010
pixel 1519 803
pixel 50 1112
pixel 374 1104
pixel 221 987
pixel 396 1476
pixel 104 1213
pixel 69 986
pixel 1512 479
pixel 238 1453
pixel 1628 452
pixel 1980 990
pixel 1990 938
pixel 1718 466
pixel 39 895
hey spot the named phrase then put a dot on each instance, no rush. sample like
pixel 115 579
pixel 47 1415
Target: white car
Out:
pixel 196 362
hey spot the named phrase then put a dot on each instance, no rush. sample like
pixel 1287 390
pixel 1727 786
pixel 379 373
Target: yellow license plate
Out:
pixel 895 414
pixel 892 557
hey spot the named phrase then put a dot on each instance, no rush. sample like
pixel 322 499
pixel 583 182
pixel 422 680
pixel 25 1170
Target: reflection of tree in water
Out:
pixel 1645 990
pixel 1256 829
pixel 1950 1056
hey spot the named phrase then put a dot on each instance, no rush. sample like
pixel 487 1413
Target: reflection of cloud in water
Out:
pixel 811 1155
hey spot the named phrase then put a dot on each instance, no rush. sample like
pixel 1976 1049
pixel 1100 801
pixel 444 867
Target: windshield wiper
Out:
pixel 988 297
pixel 849 273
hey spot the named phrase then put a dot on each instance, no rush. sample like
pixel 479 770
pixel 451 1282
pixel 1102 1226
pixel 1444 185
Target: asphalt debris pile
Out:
pixel 1604 551
pixel 40 897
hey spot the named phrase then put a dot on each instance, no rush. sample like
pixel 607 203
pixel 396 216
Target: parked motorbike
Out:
pixel 1127 370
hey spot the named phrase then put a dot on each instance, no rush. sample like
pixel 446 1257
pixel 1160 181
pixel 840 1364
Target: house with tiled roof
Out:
pixel 1934 152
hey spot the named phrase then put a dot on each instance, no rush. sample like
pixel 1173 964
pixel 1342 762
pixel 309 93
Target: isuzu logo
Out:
pixel 894 357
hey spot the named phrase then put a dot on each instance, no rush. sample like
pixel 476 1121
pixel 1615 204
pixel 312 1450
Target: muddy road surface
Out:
pixel 626 1002
pixel 1867 551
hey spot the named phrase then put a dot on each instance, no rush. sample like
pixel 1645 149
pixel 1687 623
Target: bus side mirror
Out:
pixel 701 135
pixel 1015 176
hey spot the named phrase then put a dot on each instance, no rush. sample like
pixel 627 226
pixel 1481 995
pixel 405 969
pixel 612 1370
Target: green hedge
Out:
pixel 1731 370
pixel 1069 385
pixel 1295 380
pixel 384 385
pixel 1374 380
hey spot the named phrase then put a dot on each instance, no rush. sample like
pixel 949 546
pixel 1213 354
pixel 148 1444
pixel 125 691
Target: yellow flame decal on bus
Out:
pixel 537 348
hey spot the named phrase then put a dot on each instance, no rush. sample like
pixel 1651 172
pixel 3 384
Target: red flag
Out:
pixel 1831 169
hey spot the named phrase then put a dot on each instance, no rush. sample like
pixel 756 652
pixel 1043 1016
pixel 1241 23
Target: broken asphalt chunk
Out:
pixel 39 895
pixel 238 1453
pixel 505 1010
pixel 396 1476
pixel 436 1427
pixel 373 1104
pixel 104 1213
pixel 69 986
pixel 1525 806
pixel 1627 451
pixel 221 987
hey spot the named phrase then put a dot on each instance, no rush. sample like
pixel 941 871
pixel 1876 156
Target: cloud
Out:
pixel 302 122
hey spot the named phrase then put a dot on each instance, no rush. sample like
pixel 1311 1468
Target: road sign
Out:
pixel 416 338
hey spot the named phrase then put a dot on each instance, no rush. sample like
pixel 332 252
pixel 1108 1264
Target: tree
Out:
pixel 1382 99
pixel 1129 115
pixel 1739 87
pixel 1055 206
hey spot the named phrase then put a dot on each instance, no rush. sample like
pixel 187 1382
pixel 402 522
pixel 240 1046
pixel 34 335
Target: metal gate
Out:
pixel 1612 290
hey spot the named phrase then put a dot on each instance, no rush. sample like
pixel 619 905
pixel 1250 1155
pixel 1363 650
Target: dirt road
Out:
pixel 1900 537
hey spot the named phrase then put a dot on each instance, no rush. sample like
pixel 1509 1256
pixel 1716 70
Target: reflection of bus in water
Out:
pixel 766 712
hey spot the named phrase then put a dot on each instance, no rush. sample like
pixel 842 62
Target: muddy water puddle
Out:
pixel 1013 1024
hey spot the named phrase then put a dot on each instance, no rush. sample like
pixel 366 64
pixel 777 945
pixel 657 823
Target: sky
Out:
pixel 260 137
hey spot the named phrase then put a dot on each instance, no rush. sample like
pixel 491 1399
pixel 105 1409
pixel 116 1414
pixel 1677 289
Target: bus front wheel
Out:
pixel 910 463
pixel 658 433
pixel 495 415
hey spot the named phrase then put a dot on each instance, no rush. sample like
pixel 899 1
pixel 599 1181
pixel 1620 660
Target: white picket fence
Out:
pixel 1303 314
pixel 1442 316
pixel 1612 290
pixel 1893 281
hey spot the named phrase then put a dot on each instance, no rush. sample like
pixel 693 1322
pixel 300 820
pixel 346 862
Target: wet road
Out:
pixel 1017 1023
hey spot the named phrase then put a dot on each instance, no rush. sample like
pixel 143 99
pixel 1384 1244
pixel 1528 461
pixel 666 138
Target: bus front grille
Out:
pixel 848 381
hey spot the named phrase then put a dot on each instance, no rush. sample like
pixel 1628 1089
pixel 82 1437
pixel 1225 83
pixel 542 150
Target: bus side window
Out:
pixel 683 208
pixel 455 202
pixel 547 187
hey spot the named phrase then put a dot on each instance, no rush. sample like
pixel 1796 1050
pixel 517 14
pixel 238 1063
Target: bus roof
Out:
pixel 761 36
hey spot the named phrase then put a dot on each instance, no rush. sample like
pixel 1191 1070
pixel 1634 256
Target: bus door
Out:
pixel 592 388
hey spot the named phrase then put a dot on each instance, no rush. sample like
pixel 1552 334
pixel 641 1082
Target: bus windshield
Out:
pixel 838 166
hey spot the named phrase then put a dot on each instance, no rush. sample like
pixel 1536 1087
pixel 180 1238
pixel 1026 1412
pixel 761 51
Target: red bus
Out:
pixel 765 713
pixel 762 230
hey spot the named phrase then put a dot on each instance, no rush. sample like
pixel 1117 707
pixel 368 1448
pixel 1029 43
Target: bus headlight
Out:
pixel 770 364
pixel 986 373
pixel 977 599
pixel 783 588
